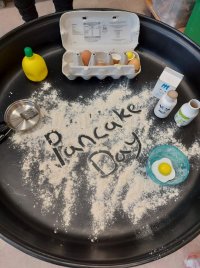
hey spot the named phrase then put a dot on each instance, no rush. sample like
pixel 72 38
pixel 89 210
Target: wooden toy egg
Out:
pixel 116 58
pixel 101 64
pixel 85 56
pixel 136 63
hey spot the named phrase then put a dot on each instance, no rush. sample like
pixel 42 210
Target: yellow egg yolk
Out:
pixel 165 169
pixel 130 55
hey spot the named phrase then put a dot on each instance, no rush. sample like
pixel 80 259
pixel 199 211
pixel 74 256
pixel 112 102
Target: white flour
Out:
pixel 105 159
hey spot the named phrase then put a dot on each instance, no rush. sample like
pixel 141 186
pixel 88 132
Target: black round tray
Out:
pixel 159 45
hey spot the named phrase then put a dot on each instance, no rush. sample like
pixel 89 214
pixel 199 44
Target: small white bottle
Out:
pixel 166 104
pixel 187 113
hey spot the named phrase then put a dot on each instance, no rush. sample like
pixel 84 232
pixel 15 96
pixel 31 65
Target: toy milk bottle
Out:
pixel 34 66
pixel 168 80
pixel 166 104
pixel 187 113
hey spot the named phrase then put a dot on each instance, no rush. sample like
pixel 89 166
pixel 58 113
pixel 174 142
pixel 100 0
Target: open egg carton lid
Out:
pixel 93 30
pixel 110 31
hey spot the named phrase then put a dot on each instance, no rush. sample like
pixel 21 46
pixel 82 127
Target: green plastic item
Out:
pixel 192 29
pixel 28 51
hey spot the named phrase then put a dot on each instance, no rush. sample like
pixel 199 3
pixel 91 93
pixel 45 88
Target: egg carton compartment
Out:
pixel 85 33
pixel 100 65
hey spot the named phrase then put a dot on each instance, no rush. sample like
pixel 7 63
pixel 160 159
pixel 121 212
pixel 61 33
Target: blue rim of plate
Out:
pixel 179 161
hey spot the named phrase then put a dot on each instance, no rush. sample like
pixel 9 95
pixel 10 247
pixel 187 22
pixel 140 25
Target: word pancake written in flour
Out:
pixel 102 160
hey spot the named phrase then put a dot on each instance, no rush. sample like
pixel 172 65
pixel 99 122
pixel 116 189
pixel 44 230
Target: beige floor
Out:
pixel 11 257
pixel 9 17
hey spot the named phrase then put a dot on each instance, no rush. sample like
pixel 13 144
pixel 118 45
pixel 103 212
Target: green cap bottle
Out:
pixel 34 66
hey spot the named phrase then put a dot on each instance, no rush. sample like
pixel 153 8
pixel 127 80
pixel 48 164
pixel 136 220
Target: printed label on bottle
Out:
pixel 163 110
pixel 181 119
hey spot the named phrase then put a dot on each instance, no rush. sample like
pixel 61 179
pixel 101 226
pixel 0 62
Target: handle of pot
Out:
pixel 4 131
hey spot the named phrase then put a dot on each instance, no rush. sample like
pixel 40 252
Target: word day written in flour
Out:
pixel 102 160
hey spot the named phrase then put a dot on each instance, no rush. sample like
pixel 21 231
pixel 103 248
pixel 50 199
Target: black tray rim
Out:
pixel 174 245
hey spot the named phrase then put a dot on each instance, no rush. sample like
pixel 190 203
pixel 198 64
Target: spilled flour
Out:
pixel 95 150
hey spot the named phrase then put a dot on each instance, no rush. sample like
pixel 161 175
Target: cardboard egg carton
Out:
pixel 107 36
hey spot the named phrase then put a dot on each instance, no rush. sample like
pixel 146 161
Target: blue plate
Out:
pixel 179 161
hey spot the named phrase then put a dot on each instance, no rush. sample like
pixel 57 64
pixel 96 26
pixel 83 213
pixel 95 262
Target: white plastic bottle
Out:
pixel 187 112
pixel 166 104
